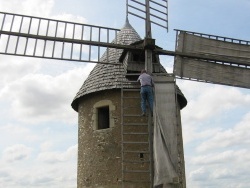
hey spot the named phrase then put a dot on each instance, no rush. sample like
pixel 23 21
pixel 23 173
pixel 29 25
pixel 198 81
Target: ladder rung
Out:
pixel 134 133
pixel 135 142
pixel 132 74
pixel 126 107
pixel 132 115
pixel 136 171
pixel 125 161
pixel 131 80
pixel 135 124
pixel 134 89
pixel 135 151
pixel 136 181
pixel 132 97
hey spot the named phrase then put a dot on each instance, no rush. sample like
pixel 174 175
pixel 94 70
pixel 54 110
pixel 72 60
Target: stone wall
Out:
pixel 99 151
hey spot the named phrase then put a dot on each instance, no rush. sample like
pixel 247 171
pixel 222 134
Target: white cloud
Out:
pixel 191 133
pixel 54 157
pixel 212 100
pixel 222 157
pixel 216 137
pixel 236 136
pixel 220 169
pixel 16 152
pixel 28 7
pixel 17 133
pixel 13 68
pixel 38 172
pixel 198 174
pixel 37 175
pixel 207 106
pixel 39 97
pixel 46 146
pixel 223 173
pixel 70 17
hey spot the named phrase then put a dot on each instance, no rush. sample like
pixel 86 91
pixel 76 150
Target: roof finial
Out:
pixel 127 24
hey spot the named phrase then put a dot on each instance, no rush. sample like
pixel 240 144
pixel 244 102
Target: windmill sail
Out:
pixel 158 11
pixel 30 36
pixel 219 60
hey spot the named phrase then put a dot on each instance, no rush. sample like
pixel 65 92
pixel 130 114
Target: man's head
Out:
pixel 143 71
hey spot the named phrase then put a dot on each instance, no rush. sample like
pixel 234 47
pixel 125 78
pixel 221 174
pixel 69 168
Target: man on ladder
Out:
pixel 147 85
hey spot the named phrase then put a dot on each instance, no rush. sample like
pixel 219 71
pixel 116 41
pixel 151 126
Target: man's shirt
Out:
pixel 145 80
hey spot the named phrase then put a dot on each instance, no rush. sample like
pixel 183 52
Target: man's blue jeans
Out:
pixel 146 95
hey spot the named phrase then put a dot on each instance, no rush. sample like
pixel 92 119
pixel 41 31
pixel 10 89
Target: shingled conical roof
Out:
pixel 105 76
pixel 108 76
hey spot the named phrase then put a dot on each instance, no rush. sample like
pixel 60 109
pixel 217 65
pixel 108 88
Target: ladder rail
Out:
pixel 122 147
pixel 141 138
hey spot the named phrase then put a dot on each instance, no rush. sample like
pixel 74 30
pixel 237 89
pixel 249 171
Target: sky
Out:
pixel 38 127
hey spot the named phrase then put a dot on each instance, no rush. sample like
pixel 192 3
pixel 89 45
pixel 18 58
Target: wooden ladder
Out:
pixel 136 135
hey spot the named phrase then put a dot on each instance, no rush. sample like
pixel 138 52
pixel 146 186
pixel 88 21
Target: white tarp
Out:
pixel 165 145
pixel 225 74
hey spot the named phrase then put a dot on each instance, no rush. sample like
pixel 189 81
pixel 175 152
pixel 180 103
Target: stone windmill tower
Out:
pixel 118 147
pixel 113 139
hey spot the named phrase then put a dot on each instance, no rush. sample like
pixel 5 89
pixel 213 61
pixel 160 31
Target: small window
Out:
pixel 103 117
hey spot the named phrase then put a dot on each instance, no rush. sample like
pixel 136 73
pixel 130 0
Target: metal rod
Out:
pixel 148 33
pixel 138 3
pixel 4 16
pixel 26 44
pixel 45 42
pixel 72 45
pixel 27 39
pixel 157 3
pixel 90 45
pixel 207 35
pixel 17 42
pixel 107 48
pixel 85 42
pixel 82 33
pixel 38 28
pixel 53 51
pixel 12 22
pixel 67 59
pixel 30 26
pixel 159 24
pixel 116 58
pixel 136 15
pixel 47 31
pixel 8 40
pixel 137 8
pixel 99 40
pixel 158 10
pixel 126 8
pixel 158 17
pixel 64 34
pixel 19 36
pixel 95 26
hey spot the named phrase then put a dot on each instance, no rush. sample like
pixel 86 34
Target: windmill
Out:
pixel 182 54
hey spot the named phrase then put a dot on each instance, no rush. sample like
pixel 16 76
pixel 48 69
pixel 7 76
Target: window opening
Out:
pixel 141 155
pixel 103 117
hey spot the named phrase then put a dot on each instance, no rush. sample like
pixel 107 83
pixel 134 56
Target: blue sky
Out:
pixel 38 128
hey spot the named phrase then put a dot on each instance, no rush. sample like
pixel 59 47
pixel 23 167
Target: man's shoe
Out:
pixel 143 114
